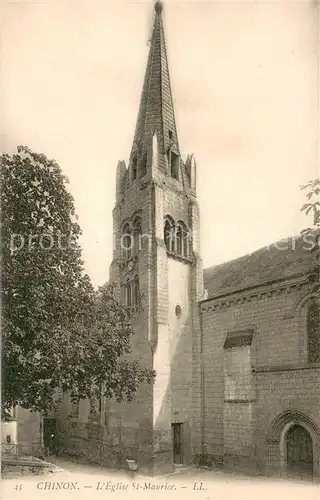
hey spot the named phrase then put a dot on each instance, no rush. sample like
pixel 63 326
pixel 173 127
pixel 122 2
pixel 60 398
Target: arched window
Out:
pixel 186 241
pixel 137 232
pixel 126 242
pixel 169 235
pixel 313 330
pixel 135 292
pixel 173 162
pixel 130 293
pixel 167 232
pixel 182 240
pixel 179 240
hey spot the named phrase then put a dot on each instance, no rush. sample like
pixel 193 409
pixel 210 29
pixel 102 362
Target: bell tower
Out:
pixel 158 271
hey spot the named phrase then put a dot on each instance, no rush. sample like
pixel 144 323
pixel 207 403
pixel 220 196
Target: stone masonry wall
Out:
pixel 28 430
pixel 278 357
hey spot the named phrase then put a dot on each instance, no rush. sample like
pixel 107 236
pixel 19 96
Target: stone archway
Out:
pixel 299 452
pixel 294 445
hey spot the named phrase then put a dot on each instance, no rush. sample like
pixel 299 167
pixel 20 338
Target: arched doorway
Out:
pixel 299 453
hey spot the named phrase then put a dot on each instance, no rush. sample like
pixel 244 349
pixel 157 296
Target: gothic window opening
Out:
pixel 130 294
pixel 185 241
pixel 182 240
pixel 179 240
pixel 167 232
pixel 313 331
pixel 173 161
pixel 126 243
pixel 134 167
pixel 137 235
pixel 135 293
pixel 169 236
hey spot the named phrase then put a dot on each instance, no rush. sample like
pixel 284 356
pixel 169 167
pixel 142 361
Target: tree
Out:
pixel 313 205
pixel 57 332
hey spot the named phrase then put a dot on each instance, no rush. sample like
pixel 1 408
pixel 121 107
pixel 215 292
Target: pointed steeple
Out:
pixel 156 111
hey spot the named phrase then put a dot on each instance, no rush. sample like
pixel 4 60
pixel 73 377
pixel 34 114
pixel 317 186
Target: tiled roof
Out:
pixel 267 264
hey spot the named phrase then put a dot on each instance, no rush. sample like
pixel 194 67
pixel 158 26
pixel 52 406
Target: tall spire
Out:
pixel 156 112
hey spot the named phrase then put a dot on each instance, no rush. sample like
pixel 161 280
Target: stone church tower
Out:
pixel 158 271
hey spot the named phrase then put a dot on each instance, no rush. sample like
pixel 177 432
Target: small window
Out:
pixel 167 234
pixel 178 311
pixel 137 232
pixel 126 243
pixel 174 165
pixel 182 240
pixel 179 240
pixel 134 167
pixel 170 134
pixel 8 438
pixel 313 330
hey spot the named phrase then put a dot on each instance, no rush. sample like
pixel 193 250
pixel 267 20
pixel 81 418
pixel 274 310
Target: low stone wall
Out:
pixel 24 467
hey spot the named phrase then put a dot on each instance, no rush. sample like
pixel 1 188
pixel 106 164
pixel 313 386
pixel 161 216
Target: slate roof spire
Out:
pixel 156 111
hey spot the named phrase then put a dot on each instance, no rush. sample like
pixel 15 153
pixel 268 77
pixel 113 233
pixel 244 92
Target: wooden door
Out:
pixel 299 453
pixel 177 443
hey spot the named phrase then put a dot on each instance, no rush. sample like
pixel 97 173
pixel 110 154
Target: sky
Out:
pixel 245 82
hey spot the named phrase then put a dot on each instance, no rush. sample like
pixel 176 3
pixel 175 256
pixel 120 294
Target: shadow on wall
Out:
pixel 173 418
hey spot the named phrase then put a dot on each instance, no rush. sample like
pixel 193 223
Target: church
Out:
pixel 235 347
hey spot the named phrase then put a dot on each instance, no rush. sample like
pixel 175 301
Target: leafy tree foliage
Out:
pixel 57 331
pixel 313 204
pixel 313 207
